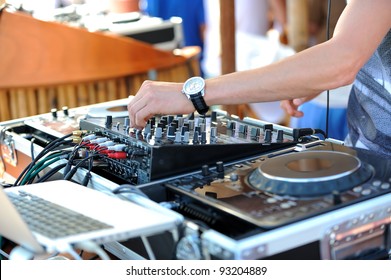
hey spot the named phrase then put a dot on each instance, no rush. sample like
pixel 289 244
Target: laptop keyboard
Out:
pixel 50 219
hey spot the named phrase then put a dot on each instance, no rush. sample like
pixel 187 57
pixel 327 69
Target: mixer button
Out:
pixel 376 183
pixel 366 192
pixel 271 200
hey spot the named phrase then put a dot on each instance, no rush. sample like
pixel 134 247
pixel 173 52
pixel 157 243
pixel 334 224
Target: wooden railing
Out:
pixel 45 65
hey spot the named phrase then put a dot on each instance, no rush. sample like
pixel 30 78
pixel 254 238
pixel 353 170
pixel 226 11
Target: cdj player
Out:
pixel 315 200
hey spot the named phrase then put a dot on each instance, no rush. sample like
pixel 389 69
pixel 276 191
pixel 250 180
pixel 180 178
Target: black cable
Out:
pixel 50 173
pixel 76 167
pixel 40 155
pixel 88 174
pixel 60 154
pixel 72 157
pixel 48 148
pixel 328 91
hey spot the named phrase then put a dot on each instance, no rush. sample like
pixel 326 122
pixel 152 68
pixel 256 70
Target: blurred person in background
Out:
pixel 192 14
pixel 257 30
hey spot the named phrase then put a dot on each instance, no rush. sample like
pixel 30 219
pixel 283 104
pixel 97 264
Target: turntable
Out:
pixel 275 190
pixel 310 174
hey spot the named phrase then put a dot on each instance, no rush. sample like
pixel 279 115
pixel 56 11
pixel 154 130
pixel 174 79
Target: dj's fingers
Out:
pixel 290 108
pixel 141 118
pixel 299 101
pixel 139 105
pixel 135 110
pixel 138 119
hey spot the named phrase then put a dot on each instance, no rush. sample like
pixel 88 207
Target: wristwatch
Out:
pixel 194 89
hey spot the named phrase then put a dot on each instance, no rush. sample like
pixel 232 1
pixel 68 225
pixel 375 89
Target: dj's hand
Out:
pixel 291 107
pixel 157 98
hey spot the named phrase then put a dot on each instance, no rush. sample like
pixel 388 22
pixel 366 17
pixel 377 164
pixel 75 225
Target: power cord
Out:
pixel 50 173
pixel 328 91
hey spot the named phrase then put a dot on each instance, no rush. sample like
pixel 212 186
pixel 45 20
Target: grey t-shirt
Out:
pixel 369 107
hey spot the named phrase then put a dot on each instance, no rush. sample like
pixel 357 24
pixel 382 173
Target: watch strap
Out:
pixel 199 103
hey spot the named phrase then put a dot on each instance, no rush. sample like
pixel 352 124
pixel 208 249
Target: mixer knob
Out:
pixel 159 133
pixel 255 132
pixel 162 123
pixel 213 116
pixel 178 137
pixel 280 136
pixel 171 131
pixel 126 122
pixel 152 121
pixel 180 121
pixel 243 129
pixel 184 129
pixel 219 166
pixel 195 137
pixel 268 126
pixel 109 121
pixel 202 127
pixel 54 113
pixel 205 170
pixel 175 124
pixel 231 125
pixel 336 198
pixel 147 129
pixel 213 134
pixel 268 136
pixel 191 125
pixel 203 137
pixel 186 137
pixel 65 111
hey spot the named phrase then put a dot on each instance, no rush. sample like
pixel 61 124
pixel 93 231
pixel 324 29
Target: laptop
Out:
pixel 113 219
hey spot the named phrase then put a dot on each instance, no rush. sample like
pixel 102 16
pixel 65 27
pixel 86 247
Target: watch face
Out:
pixel 194 85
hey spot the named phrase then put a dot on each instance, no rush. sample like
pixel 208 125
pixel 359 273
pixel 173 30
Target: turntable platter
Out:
pixel 311 173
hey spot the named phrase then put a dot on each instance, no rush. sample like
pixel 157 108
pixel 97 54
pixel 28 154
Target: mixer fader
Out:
pixel 170 145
